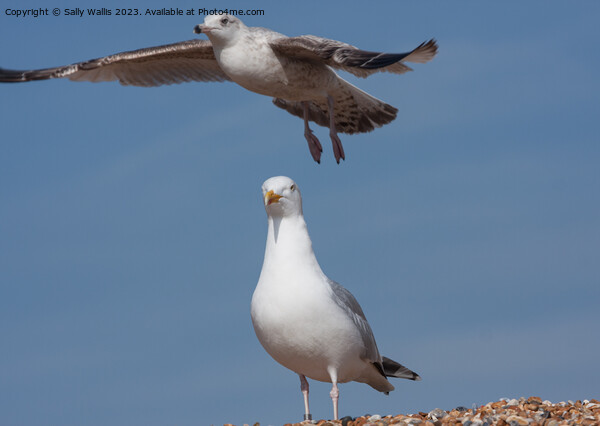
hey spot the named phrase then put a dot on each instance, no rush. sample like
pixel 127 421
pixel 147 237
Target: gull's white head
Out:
pixel 281 197
pixel 220 28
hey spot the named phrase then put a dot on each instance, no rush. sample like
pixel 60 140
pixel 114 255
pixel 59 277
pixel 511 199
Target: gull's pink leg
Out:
pixel 335 392
pixel 304 388
pixel 335 396
pixel 313 143
pixel 338 149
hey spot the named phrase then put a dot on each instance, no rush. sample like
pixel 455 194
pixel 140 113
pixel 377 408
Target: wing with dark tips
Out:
pixel 361 63
pixel 191 60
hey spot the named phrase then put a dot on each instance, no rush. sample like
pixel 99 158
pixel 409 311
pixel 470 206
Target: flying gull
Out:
pixel 305 321
pixel 296 71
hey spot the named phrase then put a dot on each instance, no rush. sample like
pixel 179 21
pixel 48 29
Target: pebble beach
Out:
pixel 532 411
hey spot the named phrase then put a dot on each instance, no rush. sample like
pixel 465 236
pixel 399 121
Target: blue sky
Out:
pixel 132 229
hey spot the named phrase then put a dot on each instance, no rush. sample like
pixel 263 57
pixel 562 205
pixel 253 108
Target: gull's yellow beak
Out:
pixel 271 197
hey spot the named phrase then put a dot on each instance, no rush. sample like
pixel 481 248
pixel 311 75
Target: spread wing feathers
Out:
pixel 191 60
pixel 348 303
pixel 355 110
pixel 346 57
pixel 392 369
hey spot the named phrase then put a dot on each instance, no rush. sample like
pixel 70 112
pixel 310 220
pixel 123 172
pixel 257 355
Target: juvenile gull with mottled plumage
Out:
pixel 296 71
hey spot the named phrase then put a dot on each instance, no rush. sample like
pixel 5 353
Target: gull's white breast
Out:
pixel 302 327
pixel 251 63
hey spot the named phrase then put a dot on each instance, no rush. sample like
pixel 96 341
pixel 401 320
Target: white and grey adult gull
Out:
pixel 305 321
pixel 296 71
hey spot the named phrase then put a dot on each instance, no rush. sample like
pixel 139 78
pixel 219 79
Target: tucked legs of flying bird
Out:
pixel 338 150
pixel 313 142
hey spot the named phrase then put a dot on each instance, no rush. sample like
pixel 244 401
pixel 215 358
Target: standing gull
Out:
pixel 305 321
pixel 296 71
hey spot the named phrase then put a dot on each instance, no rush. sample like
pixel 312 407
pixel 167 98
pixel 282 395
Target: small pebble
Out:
pixel 345 420
pixel 516 420
pixel 438 413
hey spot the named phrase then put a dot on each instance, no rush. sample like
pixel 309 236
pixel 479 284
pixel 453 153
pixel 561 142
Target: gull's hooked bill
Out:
pixel 271 197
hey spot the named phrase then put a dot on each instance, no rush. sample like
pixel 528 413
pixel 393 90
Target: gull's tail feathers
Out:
pixel 393 369
pixel 355 111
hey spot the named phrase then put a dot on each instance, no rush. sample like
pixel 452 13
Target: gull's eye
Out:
pixel 293 188
pixel 224 21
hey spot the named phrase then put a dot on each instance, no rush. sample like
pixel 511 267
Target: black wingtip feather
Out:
pixel 20 76
pixel 11 76
pixel 373 60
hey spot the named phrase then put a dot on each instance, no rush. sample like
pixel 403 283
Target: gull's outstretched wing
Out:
pixel 191 60
pixel 343 56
